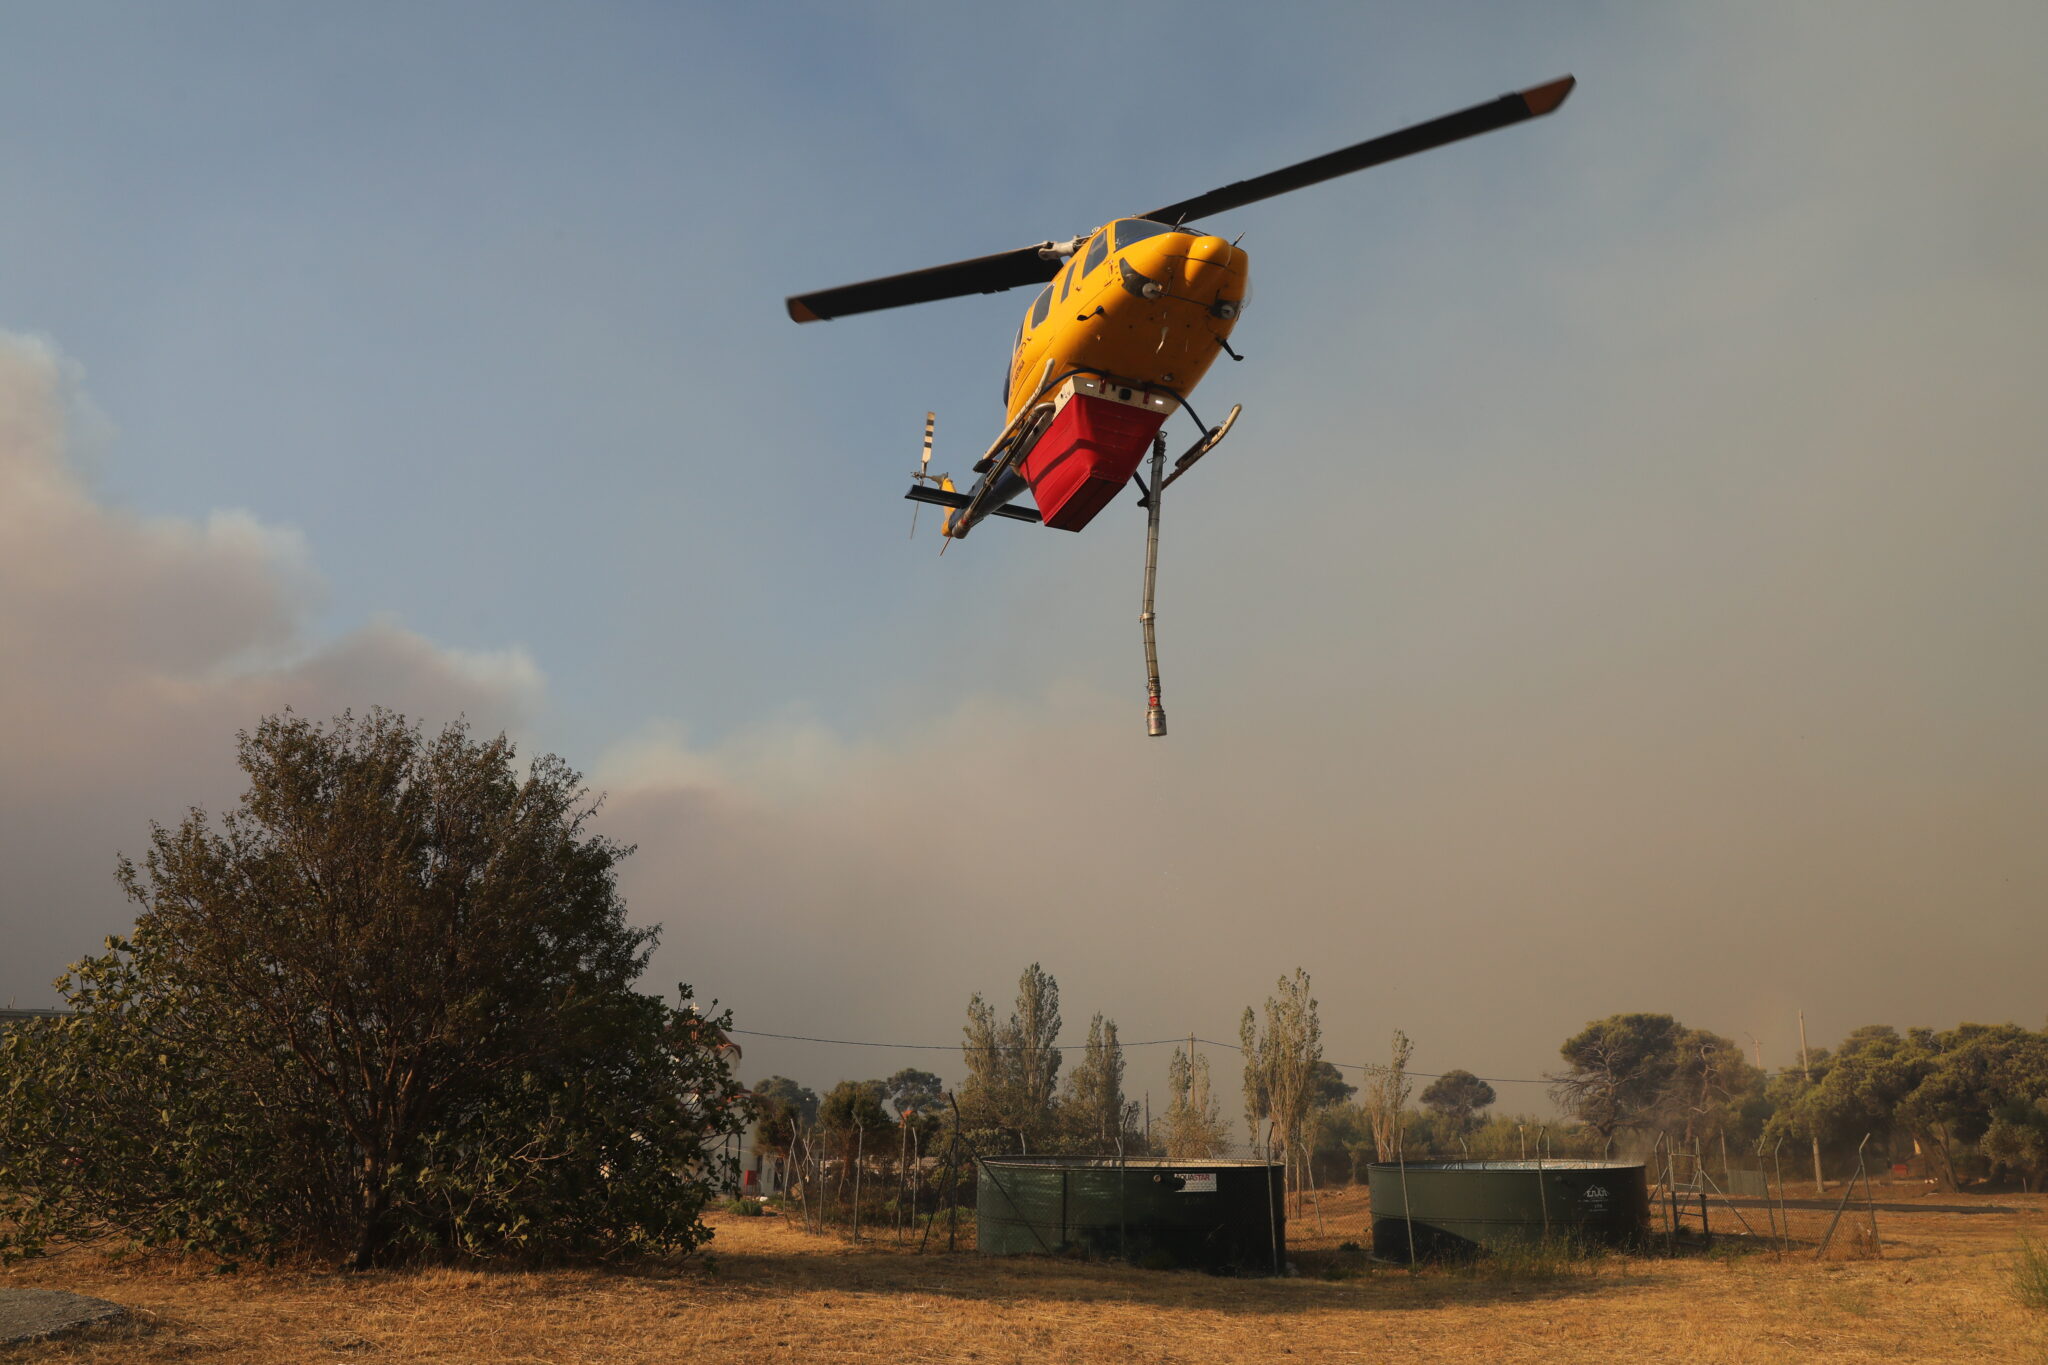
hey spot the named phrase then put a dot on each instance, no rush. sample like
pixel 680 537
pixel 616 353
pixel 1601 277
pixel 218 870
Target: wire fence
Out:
pixel 925 1193
pixel 921 1186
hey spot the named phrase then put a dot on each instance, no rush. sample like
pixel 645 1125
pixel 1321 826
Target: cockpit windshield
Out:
pixel 1130 230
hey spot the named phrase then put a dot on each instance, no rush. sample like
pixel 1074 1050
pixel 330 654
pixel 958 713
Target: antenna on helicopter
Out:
pixel 924 475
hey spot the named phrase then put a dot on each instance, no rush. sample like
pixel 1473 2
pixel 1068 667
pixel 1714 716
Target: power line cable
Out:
pixel 1079 1047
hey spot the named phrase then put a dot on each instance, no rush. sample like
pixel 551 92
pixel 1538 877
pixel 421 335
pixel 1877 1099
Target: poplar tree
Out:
pixel 1386 1094
pixel 1280 1061
pixel 1194 1127
pixel 1013 1067
pixel 1097 1113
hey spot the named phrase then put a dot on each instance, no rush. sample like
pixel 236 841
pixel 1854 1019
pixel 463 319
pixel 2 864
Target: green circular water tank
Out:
pixel 1160 1213
pixel 1462 1207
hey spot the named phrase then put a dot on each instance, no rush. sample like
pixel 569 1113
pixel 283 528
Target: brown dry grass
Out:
pixel 775 1293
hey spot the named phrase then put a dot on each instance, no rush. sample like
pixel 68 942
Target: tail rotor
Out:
pixel 924 475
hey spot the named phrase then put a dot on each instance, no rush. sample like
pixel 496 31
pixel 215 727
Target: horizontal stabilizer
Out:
pixel 946 497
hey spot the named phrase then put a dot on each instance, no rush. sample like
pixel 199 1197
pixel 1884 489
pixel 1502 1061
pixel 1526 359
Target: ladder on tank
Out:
pixel 1684 1199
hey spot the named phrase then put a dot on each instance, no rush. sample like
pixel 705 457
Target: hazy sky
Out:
pixel 1625 589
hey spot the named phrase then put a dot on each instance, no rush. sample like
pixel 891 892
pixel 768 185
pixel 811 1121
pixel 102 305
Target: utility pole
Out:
pixel 1806 1070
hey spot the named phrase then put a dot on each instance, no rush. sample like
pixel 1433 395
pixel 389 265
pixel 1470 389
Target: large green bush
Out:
pixel 382 1011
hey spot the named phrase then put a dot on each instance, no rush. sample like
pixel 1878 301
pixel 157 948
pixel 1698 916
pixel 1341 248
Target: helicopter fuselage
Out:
pixel 1106 351
pixel 1144 304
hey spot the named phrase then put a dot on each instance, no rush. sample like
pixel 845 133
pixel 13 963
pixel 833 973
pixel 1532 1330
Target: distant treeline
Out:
pixel 1963 1104
pixel 1966 1104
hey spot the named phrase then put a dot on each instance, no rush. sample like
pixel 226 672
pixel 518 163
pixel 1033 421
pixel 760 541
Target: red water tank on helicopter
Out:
pixel 1099 432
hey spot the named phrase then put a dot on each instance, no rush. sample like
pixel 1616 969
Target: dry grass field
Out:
pixel 772 1292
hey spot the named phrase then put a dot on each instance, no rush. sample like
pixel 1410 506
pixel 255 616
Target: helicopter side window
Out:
pixel 1129 230
pixel 1066 281
pixel 1098 252
pixel 1038 310
pixel 1021 329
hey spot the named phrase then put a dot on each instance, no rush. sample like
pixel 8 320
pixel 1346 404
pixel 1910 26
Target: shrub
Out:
pixel 381 1011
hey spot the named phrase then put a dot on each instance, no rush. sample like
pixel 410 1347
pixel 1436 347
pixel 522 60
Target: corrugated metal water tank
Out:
pixel 1206 1215
pixel 1461 1207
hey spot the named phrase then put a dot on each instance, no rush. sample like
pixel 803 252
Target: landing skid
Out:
pixel 1209 441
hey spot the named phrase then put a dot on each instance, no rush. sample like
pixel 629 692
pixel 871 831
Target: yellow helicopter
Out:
pixel 1129 319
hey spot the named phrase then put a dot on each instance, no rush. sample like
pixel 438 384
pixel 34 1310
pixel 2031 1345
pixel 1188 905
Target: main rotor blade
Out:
pixel 1480 118
pixel 982 275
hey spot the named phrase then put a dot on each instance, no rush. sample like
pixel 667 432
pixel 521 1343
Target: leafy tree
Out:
pixel 1193 1127
pixel 383 1009
pixel 1648 1071
pixel 1327 1086
pixel 1457 1096
pixel 1279 1062
pixel 1386 1097
pixel 1013 1068
pixel 783 1109
pixel 1620 1067
pixel 2017 1139
pixel 1097 1114
pixel 1034 1039
pixel 1328 1129
pixel 1869 1038
pixel 855 1106
pixel 1977 1070
pixel 918 1100
pixel 1858 1090
pixel 984 1093
pixel 1338 1136
pixel 1513 1137
pixel 1712 1093
pixel 916 1092
pixel 1974 1084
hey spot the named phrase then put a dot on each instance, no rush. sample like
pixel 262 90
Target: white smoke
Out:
pixel 132 649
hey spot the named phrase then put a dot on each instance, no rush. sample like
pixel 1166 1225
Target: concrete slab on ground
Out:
pixel 33 1314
